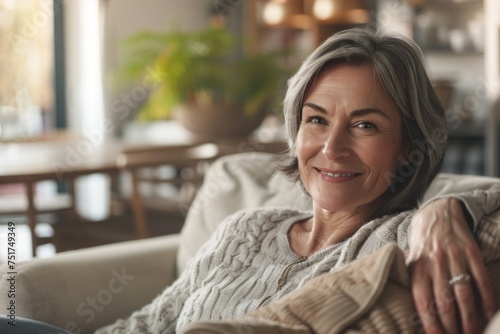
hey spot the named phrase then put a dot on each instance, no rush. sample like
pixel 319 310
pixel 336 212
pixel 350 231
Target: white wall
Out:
pixel 124 18
pixel 127 17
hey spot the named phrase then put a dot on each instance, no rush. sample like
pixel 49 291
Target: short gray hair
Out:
pixel 399 66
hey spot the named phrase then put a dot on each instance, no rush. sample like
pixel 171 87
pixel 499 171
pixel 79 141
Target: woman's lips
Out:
pixel 337 176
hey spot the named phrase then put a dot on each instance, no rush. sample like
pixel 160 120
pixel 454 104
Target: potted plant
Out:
pixel 203 83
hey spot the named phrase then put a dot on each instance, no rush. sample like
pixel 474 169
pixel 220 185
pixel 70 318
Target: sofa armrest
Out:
pixel 85 289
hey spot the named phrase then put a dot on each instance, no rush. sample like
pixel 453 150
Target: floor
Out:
pixel 23 249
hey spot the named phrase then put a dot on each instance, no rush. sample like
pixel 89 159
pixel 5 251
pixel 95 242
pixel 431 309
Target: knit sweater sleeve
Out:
pixel 160 316
pixel 479 203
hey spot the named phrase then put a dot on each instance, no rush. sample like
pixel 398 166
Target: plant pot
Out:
pixel 218 121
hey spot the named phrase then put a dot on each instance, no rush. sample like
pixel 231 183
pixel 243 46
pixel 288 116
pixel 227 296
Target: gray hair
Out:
pixel 398 64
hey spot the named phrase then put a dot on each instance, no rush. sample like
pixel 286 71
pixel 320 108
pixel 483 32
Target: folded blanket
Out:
pixel 369 295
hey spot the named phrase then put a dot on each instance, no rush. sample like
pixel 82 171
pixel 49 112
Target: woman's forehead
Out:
pixel 347 82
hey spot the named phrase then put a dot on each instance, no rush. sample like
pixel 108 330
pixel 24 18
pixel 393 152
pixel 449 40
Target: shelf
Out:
pixel 453 27
pixel 450 53
pixel 464 159
pixel 452 4
pixel 468 131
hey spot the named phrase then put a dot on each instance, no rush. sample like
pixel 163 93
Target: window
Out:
pixel 26 68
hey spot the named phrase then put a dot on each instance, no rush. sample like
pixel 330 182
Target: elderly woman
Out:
pixel 367 136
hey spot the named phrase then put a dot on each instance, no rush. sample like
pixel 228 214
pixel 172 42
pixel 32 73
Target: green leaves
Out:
pixel 203 66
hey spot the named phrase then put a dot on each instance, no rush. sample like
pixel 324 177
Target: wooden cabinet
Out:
pixel 294 25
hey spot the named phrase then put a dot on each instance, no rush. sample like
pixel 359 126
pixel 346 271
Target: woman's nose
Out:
pixel 336 145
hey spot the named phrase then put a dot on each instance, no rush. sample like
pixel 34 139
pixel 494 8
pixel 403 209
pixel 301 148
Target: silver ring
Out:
pixel 460 278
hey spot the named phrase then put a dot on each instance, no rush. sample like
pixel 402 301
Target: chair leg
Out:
pixel 72 214
pixel 141 225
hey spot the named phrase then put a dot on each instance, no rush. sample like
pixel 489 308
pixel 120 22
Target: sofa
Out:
pixel 85 289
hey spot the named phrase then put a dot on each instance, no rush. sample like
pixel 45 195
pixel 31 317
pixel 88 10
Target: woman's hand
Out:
pixel 442 247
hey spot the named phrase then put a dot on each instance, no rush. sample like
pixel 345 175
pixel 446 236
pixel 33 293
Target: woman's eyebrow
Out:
pixel 367 111
pixel 315 107
pixel 356 113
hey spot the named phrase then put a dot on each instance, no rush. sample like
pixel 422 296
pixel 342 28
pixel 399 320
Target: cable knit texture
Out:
pixel 240 268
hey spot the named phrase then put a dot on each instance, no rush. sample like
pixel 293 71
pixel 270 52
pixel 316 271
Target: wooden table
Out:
pixel 62 157
pixel 65 157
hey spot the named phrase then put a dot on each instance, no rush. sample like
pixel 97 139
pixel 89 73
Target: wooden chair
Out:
pixel 24 201
pixel 187 165
pixel 21 198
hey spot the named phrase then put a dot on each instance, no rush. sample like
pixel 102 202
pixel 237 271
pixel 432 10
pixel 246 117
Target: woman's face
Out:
pixel 350 139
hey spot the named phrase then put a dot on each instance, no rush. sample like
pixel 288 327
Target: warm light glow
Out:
pixel 274 12
pixel 358 16
pixel 341 11
pixel 324 9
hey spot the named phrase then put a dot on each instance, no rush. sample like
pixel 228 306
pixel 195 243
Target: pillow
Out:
pixel 232 183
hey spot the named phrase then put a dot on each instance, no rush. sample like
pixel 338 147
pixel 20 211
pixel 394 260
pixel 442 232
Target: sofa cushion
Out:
pixel 249 180
pixel 454 183
pixel 233 183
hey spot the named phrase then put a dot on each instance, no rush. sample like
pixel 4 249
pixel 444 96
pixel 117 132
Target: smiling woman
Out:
pixel 354 114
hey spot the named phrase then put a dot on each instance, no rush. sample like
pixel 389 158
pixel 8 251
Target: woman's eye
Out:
pixel 315 120
pixel 366 125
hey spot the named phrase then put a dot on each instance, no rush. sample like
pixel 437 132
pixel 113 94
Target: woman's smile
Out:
pixel 336 176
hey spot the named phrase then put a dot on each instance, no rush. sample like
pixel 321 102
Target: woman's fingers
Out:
pixel 444 300
pixel 466 305
pixel 450 284
pixel 482 284
pixel 474 297
pixel 423 297
pixel 459 283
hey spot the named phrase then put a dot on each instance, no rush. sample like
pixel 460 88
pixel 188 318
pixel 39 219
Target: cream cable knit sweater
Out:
pixel 248 262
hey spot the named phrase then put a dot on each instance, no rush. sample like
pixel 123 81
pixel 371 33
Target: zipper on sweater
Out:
pixel 282 279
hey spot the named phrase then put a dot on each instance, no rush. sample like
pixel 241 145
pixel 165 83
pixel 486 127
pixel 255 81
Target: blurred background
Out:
pixel 86 83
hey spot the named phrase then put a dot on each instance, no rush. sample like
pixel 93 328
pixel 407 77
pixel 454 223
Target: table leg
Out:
pixel 30 193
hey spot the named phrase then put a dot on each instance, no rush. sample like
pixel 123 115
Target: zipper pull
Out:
pixel 284 274
pixel 281 282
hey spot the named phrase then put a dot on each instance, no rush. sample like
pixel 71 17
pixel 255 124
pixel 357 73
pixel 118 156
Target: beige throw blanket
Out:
pixel 369 295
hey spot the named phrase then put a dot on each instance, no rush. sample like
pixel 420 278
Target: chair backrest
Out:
pixel 186 177
pixel 181 155
pixel 249 180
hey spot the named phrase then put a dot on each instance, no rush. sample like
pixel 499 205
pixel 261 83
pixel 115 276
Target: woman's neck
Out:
pixel 323 230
